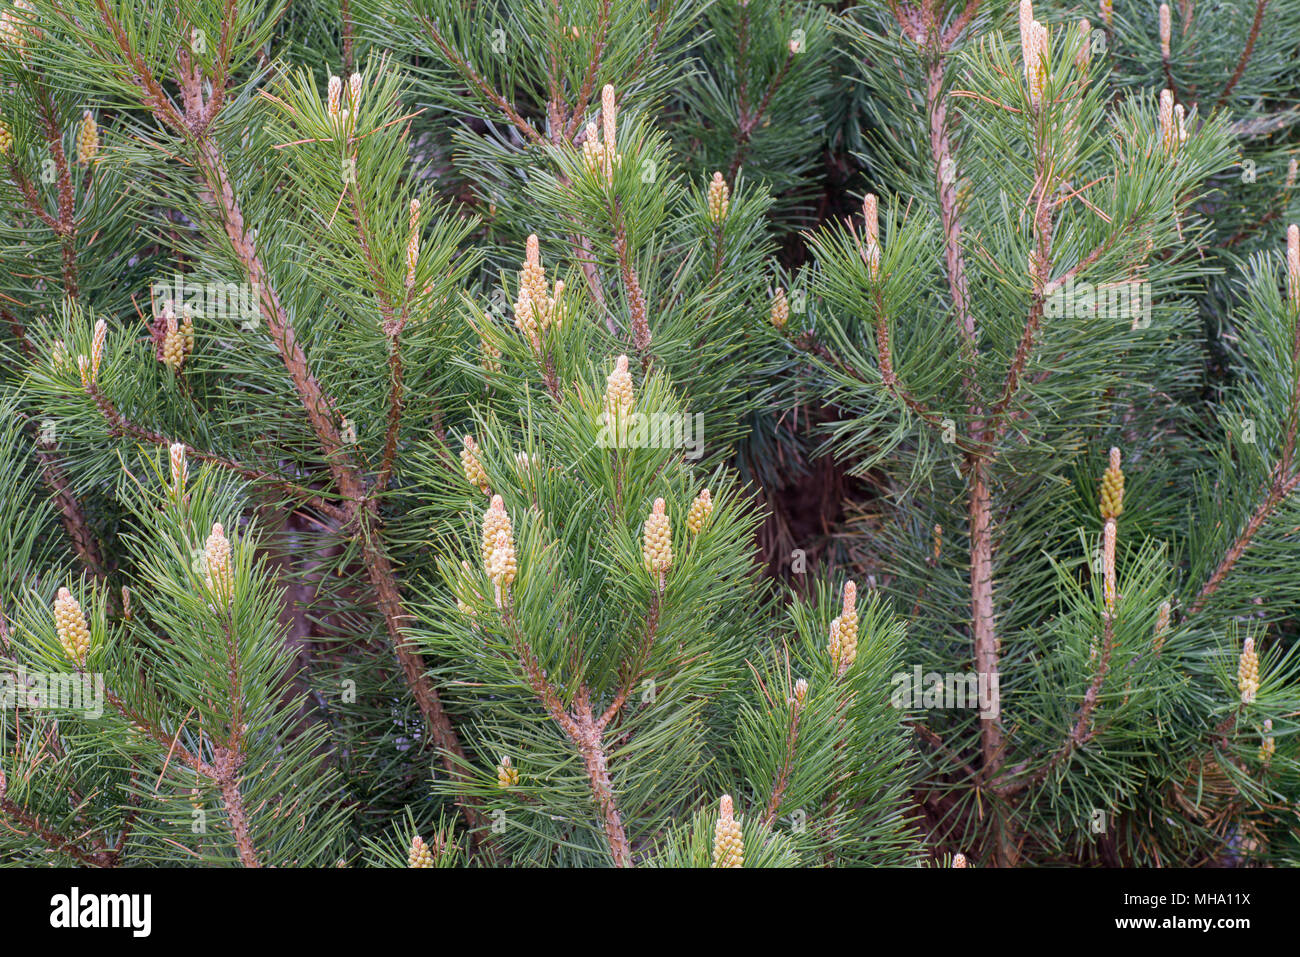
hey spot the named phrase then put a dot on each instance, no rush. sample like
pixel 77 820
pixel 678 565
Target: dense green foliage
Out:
pixel 511 433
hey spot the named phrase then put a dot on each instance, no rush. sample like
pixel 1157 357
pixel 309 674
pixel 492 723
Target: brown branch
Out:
pixel 1282 483
pixel 67 229
pixel 963 20
pixel 983 618
pixel 345 15
pixel 589 79
pixel 71 514
pixel 392 326
pixel 227 759
pixel 596 763
pixel 151 90
pixel 158 735
pixel 555 105
pixel 29 194
pixel 636 668
pixel 1083 729
pixel 719 250
pixel 1278 492
pixel 979 502
pixel 745 129
pixel 484 88
pixel 586 256
pixel 647 53
pixel 742 66
pixel 543 690
pixel 347 477
pixel 1087 261
pixel 389 601
pixel 783 774
pixel 1245 54
pixel 34 826
pixel 949 214
pixel 884 352
pixel 632 287
pixel 394 420
pixel 223 54
pixel 584 731
pixel 1042 267
pixel 120 426
pixel 316 403
pixel 226 764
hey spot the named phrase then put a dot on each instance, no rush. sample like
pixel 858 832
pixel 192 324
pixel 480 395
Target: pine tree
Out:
pixel 1020 301
pixel 158 732
pixel 400 404
pixel 321 345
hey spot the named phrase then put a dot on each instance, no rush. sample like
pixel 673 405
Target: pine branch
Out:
pixel 389 601
pixel 631 285
pixel 984 622
pixel 34 826
pixel 959 25
pixel 227 759
pixel 635 669
pixel 589 743
pixel 472 77
pixel 73 518
pixel 348 478
pixel 71 514
pixel 1278 491
pixel 348 30
pixel 1043 228
pixel 155 99
pixel 749 122
pixel 392 326
pixel 149 729
pixel 67 223
pixel 1083 729
pixel 120 426
pixel 884 352
pixel 555 106
pixel 783 774
pixel 28 192
pixel 949 214
pixel 647 53
pixel 979 501
pixel 1260 6
pixel 394 418
pixel 589 79
pixel 226 765
pixel 586 257
pixel 1283 482
pixel 583 730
